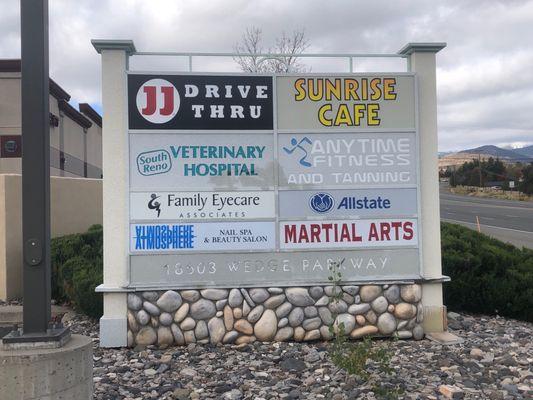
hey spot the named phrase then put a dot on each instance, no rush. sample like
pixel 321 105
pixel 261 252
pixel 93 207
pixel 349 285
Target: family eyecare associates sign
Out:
pixel 243 180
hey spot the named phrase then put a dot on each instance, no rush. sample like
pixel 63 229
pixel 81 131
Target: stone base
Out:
pixel 273 314
pixel 63 373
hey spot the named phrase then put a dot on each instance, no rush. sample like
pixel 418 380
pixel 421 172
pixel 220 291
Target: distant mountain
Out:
pixel 495 151
pixel 526 151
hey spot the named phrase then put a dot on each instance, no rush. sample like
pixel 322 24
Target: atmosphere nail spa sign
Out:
pixel 246 180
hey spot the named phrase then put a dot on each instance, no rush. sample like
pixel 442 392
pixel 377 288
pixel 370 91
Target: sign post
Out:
pixel 36 182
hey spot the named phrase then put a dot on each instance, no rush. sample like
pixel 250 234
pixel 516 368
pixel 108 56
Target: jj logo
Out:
pixel 158 101
pixel 321 202
pixel 153 204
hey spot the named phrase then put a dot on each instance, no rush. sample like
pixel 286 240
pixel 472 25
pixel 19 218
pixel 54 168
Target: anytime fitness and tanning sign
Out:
pixel 233 185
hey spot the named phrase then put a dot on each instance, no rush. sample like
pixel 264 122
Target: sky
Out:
pixel 484 75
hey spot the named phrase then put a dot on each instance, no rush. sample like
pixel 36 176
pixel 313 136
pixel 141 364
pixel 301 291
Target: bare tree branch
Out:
pixel 292 45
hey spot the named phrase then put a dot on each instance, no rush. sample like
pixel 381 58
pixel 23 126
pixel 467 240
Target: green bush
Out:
pixel 488 276
pixel 77 269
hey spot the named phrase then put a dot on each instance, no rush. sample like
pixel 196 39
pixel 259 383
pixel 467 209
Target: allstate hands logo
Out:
pixel 321 202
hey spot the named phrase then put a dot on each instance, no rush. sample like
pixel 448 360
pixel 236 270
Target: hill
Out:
pixel 495 151
pixel 526 151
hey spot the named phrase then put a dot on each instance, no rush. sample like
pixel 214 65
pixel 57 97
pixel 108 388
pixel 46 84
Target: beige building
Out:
pixel 75 135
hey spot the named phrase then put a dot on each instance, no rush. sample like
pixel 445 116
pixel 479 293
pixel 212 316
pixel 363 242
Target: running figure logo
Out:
pixel 153 204
pixel 300 145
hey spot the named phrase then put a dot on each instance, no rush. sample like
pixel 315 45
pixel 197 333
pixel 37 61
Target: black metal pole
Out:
pixel 35 166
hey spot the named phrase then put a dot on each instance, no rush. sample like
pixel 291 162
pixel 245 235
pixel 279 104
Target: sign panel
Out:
pixel 219 236
pixel 276 269
pixel 348 234
pixel 204 102
pixel 346 102
pixel 146 206
pixel 348 160
pixel 349 203
pixel 159 161
pixel 221 195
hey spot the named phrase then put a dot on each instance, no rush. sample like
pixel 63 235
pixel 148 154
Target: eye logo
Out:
pixel 158 101
pixel 321 202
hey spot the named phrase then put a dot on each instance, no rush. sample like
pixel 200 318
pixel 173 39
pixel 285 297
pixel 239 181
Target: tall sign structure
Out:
pixel 259 181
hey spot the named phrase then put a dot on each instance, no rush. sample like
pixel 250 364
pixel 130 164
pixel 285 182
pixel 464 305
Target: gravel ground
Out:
pixel 494 362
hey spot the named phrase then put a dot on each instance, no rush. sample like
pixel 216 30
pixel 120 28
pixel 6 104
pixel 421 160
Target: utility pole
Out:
pixel 480 175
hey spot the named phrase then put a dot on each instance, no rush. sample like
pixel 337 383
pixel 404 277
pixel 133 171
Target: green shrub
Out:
pixel 77 269
pixel 488 276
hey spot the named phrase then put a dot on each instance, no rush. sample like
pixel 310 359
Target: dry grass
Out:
pixel 492 193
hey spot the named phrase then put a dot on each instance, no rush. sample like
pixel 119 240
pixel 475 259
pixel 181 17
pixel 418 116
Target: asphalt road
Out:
pixel 507 220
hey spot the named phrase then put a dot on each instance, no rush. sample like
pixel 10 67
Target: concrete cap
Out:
pixel 411 48
pixel 104 44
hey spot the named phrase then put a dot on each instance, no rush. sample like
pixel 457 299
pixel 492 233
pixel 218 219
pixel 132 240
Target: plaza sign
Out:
pixel 235 183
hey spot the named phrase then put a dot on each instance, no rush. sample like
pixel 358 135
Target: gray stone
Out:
pixel 135 303
pixel 169 301
pixel 203 309
pixel 190 295
pixel 284 334
pixel 347 320
pixel 418 332
pixel 189 337
pixel 214 294
pixel 201 331
pixel 325 332
pixel 310 311
pixel 217 330
pixel 233 394
pixel 351 289
pixel 332 290
pixel 357 299
pixel 178 335
pixel 411 293
pixel 392 294
pixel 402 325
pixel 284 309
pixel 420 313
pixel 325 315
pixel 404 334
pixel 247 297
pixel 411 324
pixel 187 324
pixel 146 336
pixel 255 313
pixel 165 319
pixel 245 308
pixel 275 290
pixel 369 292
pixel 386 323
pixel 143 317
pixel 371 317
pixel 181 313
pixel 357 309
pixel 312 335
pixel 235 298
pixel 274 301
pixel 379 305
pixel 338 307
pixel 316 292
pixel 154 321
pixel 348 298
pixel 230 337
pixel 265 329
pixel 131 340
pixel 220 304
pixel 150 296
pixel 219 314
pixel 296 317
pixel 299 297
pixel 323 301
pixel 283 322
pixel 259 295
pixel 132 322
pixel 311 323
pixel 164 336
pixel 151 309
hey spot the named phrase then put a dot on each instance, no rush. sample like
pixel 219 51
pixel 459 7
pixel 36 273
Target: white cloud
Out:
pixel 485 79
